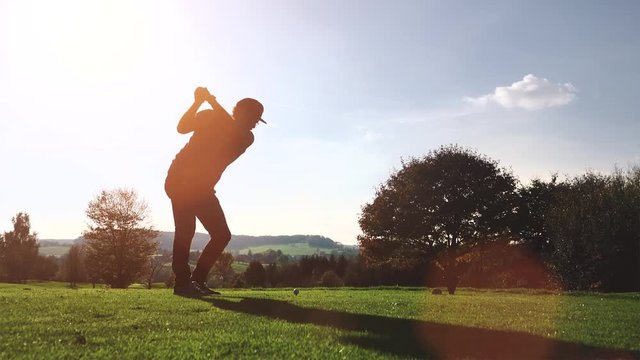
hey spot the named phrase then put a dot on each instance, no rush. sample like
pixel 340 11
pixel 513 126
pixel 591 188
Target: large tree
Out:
pixel 118 242
pixel 20 249
pixel 437 207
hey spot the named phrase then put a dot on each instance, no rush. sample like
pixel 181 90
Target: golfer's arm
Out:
pixel 187 122
pixel 218 108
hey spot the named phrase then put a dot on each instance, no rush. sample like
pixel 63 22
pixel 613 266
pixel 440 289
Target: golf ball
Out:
pixel 295 291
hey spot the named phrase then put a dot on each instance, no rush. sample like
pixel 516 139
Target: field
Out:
pixel 54 250
pixel 297 249
pixel 52 321
pixel 238 266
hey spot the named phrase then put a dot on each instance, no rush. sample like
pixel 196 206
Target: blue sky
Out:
pixel 91 92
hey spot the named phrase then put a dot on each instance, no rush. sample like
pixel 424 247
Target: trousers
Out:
pixel 186 209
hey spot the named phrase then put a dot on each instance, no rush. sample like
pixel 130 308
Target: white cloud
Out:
pixel 530 93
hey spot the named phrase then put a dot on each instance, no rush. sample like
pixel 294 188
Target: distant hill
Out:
pixel 299 244
pixel 55 242
pixel 241 243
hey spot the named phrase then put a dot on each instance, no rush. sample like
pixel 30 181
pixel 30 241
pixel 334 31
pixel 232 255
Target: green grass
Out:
pixel 239 266
pixel 49 320
pixel 297 249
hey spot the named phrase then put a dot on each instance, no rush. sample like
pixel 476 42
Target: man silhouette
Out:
pixel 218 139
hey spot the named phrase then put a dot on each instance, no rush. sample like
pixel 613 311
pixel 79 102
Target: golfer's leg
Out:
pixel 212 217
pixel 185 227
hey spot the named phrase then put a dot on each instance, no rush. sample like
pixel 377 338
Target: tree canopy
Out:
pixel 19 249
pixel 595 232
pixel 255 274
pixel 437 207
pixel 118 244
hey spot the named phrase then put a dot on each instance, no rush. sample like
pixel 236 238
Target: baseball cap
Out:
pixel 253 106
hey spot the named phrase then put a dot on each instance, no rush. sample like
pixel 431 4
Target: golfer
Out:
pixel 218 139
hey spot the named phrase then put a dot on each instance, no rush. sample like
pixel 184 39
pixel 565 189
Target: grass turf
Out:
pixel 52 321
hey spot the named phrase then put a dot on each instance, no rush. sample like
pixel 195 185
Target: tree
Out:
pixel 20 249
pixel 536 200
pixel 272 276
pixel 535 243
pixel 255 274
pixel 222 271
pixel 436 208
pixel 73 266
pixel 44 268
pixel 341 265
pixel 595 227
pixel 156 263
pixel 118 244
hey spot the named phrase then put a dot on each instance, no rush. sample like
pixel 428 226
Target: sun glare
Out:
pixel 80 40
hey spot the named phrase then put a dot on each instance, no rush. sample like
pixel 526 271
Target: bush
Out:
pixel 330 279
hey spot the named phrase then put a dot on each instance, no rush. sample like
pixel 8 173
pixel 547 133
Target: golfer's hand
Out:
pixel 211 100
pixel 201 95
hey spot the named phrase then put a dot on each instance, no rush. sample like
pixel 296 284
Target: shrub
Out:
pixel 330 279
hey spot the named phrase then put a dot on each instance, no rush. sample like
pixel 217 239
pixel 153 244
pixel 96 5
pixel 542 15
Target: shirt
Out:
pixel 216 142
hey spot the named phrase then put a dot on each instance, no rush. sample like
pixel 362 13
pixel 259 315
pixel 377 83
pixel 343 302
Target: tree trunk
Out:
pixel 120 284
pixel 451 273
pixel 451 279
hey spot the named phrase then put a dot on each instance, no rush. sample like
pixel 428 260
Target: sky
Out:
pixel 91 93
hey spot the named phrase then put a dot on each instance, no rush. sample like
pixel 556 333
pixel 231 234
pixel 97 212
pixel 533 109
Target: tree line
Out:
pixel 461 219
pixel 451 218
pixel 118 249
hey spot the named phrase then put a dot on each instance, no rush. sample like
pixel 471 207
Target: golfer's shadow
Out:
pixel 416 338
